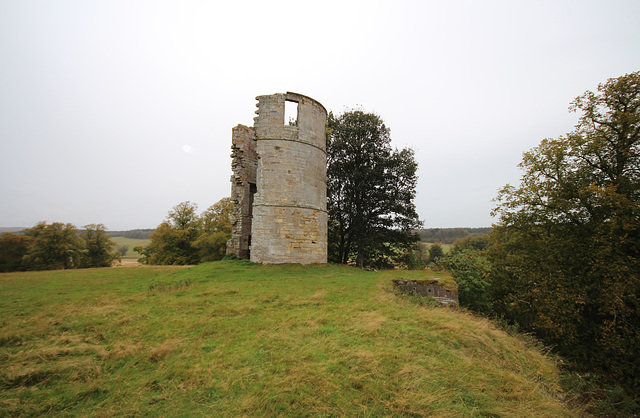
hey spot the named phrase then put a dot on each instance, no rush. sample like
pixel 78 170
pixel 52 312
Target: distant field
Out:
pixel 233 338
pixel 445 247
pixel 131 243
pixel 448 235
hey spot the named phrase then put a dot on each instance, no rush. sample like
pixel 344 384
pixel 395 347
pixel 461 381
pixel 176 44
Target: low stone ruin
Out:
pixel 447 295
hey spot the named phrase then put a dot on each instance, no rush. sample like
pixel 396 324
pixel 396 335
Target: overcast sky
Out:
pixel 113 111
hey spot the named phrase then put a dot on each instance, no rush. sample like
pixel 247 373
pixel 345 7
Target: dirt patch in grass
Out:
pixel 128 262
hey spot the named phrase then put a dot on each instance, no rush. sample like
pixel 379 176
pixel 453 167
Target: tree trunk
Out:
pixel 360 259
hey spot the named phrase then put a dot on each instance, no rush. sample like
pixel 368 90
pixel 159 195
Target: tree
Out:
pixel 471 242
pixel 417 256
pixel 54 246
pixel 370 191
pixel 144 252
pixel 566 250
pixel 12 248
pixel 216 230
pixel 186 238
pixel 98 247
pixel 471 269
pixel 123 249
pixel 435 252
pixel 171 242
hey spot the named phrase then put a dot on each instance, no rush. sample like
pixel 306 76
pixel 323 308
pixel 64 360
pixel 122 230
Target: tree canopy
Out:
pixel 12 248
pixel 370 191
pixel 566 255
pixel 99 249
pixel 216 230
pixel 188 238
pixel 57 246
pixel 171 242
pixel 53 246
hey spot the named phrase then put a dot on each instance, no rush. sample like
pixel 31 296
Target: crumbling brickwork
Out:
pixel 283 218
pixel 244 164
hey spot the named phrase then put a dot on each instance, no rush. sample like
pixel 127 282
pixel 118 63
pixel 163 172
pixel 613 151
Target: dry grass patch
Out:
pixel 369 321
pixel 124 349
pixel 164 349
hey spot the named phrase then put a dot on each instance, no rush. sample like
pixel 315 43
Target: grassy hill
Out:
pixel 233 338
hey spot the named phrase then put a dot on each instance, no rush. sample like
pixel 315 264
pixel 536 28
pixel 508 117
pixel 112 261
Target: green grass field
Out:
pixel 131 243
pixel 232 338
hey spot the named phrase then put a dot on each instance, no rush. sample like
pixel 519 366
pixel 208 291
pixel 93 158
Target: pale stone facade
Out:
pixel 279 184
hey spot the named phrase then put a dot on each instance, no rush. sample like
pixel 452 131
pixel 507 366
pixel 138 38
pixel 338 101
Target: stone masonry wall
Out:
pixel 431 288
pixel 244 164
pixel 289 222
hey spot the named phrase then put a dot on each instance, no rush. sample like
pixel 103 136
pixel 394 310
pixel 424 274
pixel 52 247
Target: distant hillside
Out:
pixel 449 235
pixel 13 229
pixel 134 233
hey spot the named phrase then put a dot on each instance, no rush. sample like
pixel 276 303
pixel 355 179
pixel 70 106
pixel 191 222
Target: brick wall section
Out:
pixel 244 163
pixel 289 210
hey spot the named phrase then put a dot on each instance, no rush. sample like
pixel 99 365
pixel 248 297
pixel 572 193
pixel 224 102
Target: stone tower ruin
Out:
pixel 279 184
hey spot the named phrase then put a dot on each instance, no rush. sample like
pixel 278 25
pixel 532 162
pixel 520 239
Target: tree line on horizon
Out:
pixel 449 235
pixel 132 233
pixel 57 246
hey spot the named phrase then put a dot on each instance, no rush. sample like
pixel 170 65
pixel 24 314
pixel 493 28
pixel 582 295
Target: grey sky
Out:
pixel 115 111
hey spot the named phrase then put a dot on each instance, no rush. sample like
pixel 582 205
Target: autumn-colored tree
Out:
pixel 187 238
pixel 171 242
pixel 566 250
pixel 12 248
pixel 53 246
pixel 215 230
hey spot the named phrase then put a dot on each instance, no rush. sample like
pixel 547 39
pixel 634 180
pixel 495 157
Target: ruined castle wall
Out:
pixel 289 223
pixel 244 164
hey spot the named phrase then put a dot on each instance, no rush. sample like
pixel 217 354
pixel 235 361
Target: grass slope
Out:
pixel 234 338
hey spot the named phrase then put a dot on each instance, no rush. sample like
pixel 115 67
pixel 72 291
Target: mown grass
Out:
pixel 232 338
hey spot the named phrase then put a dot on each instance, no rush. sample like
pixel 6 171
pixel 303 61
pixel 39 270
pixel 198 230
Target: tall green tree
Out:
pixel 566 252
pixel 53 246
pixel 99 249
pixel 435 252
pixel 370 191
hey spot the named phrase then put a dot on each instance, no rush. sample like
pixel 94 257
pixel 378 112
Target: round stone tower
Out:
pixel 289 223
